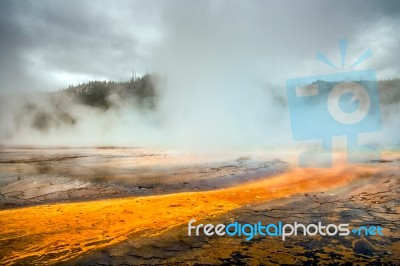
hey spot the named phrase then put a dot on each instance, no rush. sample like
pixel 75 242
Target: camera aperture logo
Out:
pixel 324 106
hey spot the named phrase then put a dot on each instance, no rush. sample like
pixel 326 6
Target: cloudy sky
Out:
pixel 223 65
pixel 47 45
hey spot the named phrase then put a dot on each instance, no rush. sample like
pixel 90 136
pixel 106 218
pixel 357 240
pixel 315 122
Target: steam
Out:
pixel 227 120
pixel 222 70
pixel 219 116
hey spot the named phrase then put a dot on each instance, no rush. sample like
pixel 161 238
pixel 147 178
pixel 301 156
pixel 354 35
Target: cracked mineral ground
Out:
pixel 131 206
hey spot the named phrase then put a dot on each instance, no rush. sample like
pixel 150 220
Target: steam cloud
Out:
pixel 222 69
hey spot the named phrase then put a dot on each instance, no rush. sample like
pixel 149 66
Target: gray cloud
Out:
pixel 46 44
pixel 224 63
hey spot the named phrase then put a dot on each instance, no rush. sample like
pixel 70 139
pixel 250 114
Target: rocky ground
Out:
pixel 36 177
pixel 372 200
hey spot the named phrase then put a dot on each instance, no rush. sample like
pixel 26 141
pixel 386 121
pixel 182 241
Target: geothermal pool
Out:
pixel 132 205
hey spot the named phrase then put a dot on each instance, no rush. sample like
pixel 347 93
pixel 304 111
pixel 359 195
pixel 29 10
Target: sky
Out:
pixel 223 65
pixel 47 45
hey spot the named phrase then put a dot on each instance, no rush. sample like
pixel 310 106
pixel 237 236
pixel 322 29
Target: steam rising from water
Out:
pixel 205 117
pixel 214 114
pixel 222 69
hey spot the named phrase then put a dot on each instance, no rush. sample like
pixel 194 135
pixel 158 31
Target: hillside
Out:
pixel 139 91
